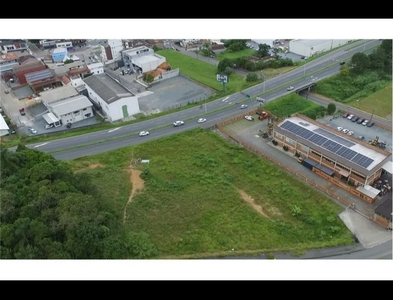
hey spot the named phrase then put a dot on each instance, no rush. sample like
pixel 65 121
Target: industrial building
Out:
pixel 310 48
pixel 142 59
pixel 340 158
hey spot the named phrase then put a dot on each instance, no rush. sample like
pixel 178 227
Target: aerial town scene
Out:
pixel 196 148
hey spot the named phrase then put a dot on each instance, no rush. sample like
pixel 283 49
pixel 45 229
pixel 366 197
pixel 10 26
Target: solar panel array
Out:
pixel 336 146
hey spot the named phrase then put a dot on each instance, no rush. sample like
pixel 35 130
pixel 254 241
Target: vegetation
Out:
pixel 53 209
pixel 363 81
pixel 293 103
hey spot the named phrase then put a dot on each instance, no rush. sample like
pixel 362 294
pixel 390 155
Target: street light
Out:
pixel 205 105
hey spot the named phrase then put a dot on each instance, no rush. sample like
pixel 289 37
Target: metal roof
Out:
pixel 68 105
pixel 39 75
pixel 109 90
pixel 57 94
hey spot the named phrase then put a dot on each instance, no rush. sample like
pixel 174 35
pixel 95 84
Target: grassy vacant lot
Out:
pixel 204 196
pixel 203 73
pixel 234 55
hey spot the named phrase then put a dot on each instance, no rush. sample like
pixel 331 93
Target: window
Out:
pixel 279 135
pixel 85 109
pixel 304 148
pixel 290 141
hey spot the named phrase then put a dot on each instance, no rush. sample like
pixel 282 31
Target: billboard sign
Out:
pixel 222 78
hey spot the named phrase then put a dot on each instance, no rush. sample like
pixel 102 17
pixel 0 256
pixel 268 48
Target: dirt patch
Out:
pixel 251 201
pixel 90 167
pixel 137 185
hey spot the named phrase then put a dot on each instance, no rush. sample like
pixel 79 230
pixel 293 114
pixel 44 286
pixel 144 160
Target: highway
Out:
pixel 218 110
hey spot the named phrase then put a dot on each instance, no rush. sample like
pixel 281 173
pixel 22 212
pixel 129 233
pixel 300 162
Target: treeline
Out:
pixel 48 212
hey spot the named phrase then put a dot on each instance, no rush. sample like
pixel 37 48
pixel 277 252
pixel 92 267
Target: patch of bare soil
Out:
pixel 91 167
pixel 137 185
pixel 251 201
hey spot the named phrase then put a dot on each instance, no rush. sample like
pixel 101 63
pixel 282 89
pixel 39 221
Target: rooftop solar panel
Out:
pixel 331 146
pixel 317 139
pixel 335 137
pixel 346 153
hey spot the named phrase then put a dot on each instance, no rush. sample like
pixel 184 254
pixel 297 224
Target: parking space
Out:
pixel 369 133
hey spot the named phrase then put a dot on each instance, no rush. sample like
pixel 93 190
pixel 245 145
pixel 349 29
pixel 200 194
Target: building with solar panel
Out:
pixel 41 80
pixel 342 159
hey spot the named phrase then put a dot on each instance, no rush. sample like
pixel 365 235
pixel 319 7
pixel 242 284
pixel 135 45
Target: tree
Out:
pixel 223 64
pixel 331 108
pixel 263 50
pixel 228 71
pixel 252 77
pixel 359 62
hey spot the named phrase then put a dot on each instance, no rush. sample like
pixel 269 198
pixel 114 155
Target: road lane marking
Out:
pixel 113 129
pixel 40 145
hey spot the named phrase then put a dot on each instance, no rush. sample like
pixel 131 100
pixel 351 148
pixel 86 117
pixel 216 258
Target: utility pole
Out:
pixel 372 115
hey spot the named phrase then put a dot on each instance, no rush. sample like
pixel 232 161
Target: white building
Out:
pixel 71 110
pixel 314 47
pixel 111 98
pixel 142 59
pixel 96 68
pixel 267 42
pixel 111 51
pixel 4 129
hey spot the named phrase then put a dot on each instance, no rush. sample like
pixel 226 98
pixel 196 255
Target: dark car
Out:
pixel 354 119
pixel 370 124
pixel 69 125
pixel 345 115
pixel 360 121
pixel 342 62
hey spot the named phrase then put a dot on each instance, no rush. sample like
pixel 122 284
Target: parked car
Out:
pixel 360 121
pixel 345 115
pixel 22 111
pixel 345 130
pixel 69 125
pixel 48 126
pixel 143 133
pixel 201 120
pixel 339 128
pixel 350 132
pixel 243 106
pixel 290 88
pixel 249 118
pixel 370 124
pixel 342 63
pixel 360 137
pixel 354 119
pixel 350 116
pixel 365 122
pixel 178 123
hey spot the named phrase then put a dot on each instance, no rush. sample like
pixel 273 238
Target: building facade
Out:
pixel 13 45
pixel 314 47
pixel 111 98
pixel 335 154
pixel 142 59
pixel 111 51
pixel 59 55
pixel 72 109
pixel 8 61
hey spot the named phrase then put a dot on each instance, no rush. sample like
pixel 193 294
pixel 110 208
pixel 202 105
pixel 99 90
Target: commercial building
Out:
pixel 13 45
pixel 111 98
pixel 342 159
pixel 59 55
pixel 142 59
pixel 309 48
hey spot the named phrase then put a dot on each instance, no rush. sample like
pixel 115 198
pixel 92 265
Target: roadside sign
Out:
pixel 222 78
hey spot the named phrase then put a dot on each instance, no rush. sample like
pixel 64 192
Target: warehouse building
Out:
pixel 310 48
pixel 340 158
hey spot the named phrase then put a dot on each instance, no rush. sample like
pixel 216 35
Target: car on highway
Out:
pixel 339 128
pixel 201 120
pixel 178 123
pixel 32 130
pixel 143 133
pixel 249 118
pixel 243 106
pixel 290 88
pixel 365 122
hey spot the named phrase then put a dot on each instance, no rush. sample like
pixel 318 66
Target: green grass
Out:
pixel 235 55
pixel 203 73
pixel 191 206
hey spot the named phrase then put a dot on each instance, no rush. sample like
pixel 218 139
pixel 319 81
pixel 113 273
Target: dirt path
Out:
pixel 137 185
pixel 251 201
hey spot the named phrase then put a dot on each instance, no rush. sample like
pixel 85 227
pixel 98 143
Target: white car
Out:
pixel 339 128
pixel 345 130
pixel 290 88
pixel 178 123
pixel 143 133
pixel 243 106
pixel 32 130
pixel 350 132
pixel 48 126
pixel 250 118
pixel 350 116
pixel 201 120
pixel 365 122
